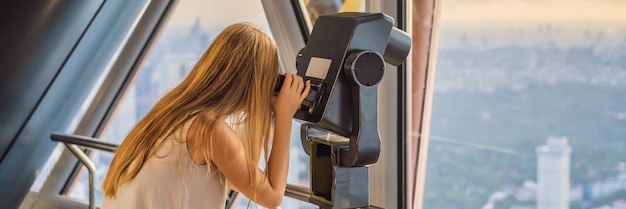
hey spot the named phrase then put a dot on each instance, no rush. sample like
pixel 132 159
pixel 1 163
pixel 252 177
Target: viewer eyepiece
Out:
pixel 279 84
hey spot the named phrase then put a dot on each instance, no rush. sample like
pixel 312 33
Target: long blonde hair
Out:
pixel 235 76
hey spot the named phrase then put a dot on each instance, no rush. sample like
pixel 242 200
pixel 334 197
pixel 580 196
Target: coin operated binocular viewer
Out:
pixel 345 60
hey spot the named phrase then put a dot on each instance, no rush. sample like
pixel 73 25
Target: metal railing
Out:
pixel 72 142
pixel 76 144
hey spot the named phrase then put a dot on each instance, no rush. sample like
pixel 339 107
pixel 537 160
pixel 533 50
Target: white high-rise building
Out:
pixel 553 174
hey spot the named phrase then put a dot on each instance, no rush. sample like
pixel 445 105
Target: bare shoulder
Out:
pixel 223 130
pixel 223 138
pixel 222 133
pixel 202 126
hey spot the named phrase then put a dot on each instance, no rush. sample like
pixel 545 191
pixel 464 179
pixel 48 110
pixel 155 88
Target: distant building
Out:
pixel 553 174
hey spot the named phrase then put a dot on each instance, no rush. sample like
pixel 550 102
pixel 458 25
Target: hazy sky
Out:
pixel 224 12
pixel 534 10
pixel 564 23
pixel 219 13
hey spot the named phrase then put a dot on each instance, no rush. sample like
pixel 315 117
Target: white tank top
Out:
pixel 170 180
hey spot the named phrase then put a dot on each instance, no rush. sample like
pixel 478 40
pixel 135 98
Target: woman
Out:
pixel 183 153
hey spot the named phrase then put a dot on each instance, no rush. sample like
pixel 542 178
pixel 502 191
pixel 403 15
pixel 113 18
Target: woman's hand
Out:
pixel 291 94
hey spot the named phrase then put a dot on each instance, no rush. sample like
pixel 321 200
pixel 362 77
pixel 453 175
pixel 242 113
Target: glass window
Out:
pixel 317 8
pixel 528 108
pixel 117 22
pixel 189 31
pixel 47 168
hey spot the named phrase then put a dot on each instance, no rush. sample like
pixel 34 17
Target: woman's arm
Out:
pixel 231 160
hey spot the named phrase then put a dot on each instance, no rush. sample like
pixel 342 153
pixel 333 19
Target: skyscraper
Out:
pixel 553 177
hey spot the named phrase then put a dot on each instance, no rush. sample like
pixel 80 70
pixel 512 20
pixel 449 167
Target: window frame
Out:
pixel 422 80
